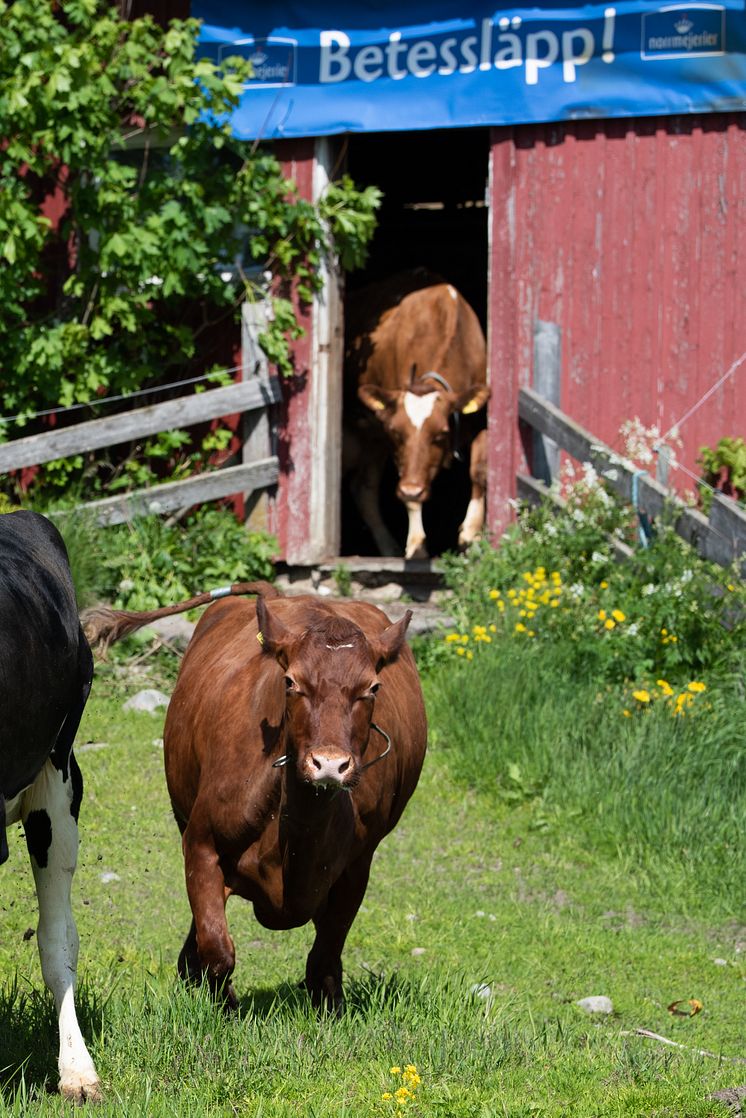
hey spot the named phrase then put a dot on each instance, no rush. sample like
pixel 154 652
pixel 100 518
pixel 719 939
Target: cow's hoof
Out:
pixel 81 1088
pixel 418 551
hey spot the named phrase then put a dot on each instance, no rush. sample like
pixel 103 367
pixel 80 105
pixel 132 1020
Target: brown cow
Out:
pixel 275 714
pixel 416 356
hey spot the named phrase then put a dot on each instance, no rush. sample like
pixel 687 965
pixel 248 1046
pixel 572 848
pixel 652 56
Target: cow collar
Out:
pixel 281 761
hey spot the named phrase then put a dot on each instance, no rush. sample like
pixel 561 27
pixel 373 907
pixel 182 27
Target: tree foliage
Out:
pixel 131 221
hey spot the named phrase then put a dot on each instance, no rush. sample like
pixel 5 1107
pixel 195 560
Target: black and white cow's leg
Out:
pixel 365 485
pixel 49 817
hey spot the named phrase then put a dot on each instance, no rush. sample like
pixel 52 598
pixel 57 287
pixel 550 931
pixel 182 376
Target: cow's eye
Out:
pixel 371 692
pixel 290 684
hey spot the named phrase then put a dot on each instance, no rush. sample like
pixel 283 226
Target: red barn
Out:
pixel 582 167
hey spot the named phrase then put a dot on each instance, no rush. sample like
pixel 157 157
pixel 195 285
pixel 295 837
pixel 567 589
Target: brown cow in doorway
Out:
pixel 416 357
pixel 293 741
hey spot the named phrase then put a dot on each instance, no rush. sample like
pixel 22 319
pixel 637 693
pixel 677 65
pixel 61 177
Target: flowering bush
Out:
pixel 663 614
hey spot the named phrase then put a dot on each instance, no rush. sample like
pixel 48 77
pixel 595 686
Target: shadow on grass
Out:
pixel 364 997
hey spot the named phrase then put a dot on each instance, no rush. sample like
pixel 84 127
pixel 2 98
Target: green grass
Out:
pixel 504 882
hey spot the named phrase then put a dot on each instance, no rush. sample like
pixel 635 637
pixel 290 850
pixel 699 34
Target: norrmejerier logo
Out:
pixel 684 31
pixel 273 59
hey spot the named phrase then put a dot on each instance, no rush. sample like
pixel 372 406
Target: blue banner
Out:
pixel 324 68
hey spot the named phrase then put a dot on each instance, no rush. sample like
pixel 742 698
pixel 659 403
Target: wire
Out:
pixel 123 396
pixel 687 415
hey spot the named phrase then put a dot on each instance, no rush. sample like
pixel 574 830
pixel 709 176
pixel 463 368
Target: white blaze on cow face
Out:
pixel 419 408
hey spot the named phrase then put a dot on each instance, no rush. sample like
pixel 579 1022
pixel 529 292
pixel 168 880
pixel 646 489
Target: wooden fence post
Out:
pixel 256 434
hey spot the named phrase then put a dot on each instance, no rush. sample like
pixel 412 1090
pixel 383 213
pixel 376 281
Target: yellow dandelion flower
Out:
pixel 665 687
pixel 469 654
pixel 530 633
pixel 642 696
pixel 696 687
pixel 460 651
pixel 494 594
pixel 554 604
pixel 602 615
pixel 604 585
pixel 386 1096
pixel 520 627
pixel 556 576
pixel 627 713
pixel 731 587
pixel 609 624
pixel 618 615
pixel 464 638
pixel 501 605
pixel 493 628
pixel 395 1070
pixel 521 613
pixel 411 1069
pixel 664 632
pixel 402 1094
pixel 453 637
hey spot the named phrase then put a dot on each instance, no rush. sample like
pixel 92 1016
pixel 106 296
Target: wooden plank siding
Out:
pixel 630 235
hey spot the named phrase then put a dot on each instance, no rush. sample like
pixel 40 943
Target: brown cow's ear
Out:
pixel 387 646
pixel 273 636
pixel 376 398
pixel 472 399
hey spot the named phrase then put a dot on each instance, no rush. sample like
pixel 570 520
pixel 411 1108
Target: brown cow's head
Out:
pixel 417 422
pixel 331 678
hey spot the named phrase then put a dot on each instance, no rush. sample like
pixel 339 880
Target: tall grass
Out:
pixel 667 793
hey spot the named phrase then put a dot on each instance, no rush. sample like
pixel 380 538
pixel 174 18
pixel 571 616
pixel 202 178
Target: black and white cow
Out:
pixel 46 670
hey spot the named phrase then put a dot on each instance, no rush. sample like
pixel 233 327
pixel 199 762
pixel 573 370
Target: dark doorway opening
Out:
pixel 434 215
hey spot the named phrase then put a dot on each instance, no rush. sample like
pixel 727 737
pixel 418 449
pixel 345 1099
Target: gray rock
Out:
pixel 148 700
pixel 177 630
pixel 596 1004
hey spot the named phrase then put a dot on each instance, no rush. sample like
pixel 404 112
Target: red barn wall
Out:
pixel 631 236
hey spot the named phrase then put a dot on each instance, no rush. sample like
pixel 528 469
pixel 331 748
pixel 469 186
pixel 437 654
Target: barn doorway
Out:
pixel 434 214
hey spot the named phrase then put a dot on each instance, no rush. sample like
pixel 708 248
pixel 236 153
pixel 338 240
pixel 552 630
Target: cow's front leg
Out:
pixel 324 963
pixel 52 838
pixel 208 950
pixel 416 547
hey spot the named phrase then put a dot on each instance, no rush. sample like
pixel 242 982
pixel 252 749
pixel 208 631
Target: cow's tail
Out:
pixel 103 626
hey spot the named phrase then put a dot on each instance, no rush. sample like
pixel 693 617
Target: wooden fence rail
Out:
pixel 258 470
pixel 721 538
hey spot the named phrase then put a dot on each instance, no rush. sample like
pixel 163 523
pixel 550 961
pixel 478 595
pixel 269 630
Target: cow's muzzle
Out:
pixel 412 491
pixel 327 768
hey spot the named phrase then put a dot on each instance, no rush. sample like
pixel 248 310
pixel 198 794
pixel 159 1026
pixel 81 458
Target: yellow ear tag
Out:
pixel 471 407
pixel 260 637
pixel 379 405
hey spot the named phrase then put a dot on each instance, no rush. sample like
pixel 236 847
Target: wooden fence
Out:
pixel 720 538
pixel 257 470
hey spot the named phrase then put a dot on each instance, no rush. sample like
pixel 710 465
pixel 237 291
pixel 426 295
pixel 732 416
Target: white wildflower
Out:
pixel 649 589
pixel 598 557
pixel 578 516
pixel 577 590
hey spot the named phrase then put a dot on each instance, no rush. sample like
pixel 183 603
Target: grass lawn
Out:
pixel 468 892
